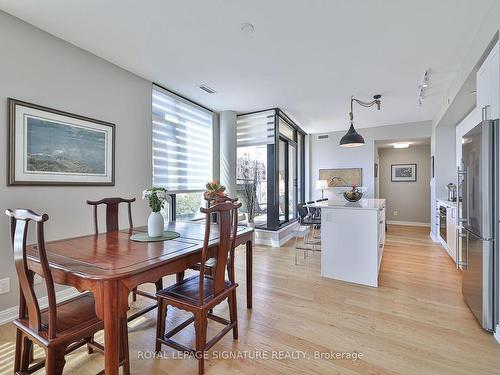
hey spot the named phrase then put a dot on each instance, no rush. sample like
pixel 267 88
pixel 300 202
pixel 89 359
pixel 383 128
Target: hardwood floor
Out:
pixel 415 323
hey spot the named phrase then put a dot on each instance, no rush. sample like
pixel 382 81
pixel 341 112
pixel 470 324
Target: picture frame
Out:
pixel 403 172
pixel 342 177
pixel 53 147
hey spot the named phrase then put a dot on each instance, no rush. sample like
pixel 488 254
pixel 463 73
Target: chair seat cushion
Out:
pixel 187 290
pixel 73 314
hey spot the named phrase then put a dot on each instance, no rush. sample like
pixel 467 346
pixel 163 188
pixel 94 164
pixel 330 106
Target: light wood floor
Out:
pixel 415 323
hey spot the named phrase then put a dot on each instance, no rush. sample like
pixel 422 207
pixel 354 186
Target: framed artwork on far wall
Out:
pixel 51 147
pixel 403 172
pixel 342 177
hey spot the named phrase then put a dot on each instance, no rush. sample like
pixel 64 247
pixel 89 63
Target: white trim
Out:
pixel 9 315
pixel 275 238
pixel 409 223
pixel 434 237
pixel 496 334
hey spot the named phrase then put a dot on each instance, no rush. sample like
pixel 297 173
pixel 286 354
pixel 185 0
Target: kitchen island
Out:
pixel 352 240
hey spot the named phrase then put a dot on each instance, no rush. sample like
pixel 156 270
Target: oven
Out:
pixel 442 222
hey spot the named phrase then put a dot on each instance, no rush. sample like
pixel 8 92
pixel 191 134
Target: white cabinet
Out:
pixel 451 231
pixel 352 240
pixel 447 230
pixel 488 86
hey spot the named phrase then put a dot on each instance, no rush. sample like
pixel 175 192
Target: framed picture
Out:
pixel 404 172
pixel 342 177
pixel 51 147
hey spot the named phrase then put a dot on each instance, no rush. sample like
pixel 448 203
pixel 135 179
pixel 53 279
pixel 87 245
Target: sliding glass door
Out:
pixel 287 180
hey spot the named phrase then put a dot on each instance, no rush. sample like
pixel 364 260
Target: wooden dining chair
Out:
pixel 60 328
pixel 112 210
pixel 199 294
pixel 210 263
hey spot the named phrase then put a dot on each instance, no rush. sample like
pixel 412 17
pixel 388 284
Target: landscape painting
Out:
pixel 53 147
pixel 342 177
pixel 57 148
pixel 404 172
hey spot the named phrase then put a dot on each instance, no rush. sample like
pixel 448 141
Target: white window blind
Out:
pixel 182 143
pixel 255 129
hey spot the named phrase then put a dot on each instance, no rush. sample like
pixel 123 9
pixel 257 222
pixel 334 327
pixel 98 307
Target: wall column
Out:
pixel 227 124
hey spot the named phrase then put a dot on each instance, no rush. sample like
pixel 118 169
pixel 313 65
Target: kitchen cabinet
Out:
pixel 447 226
pixel 488 86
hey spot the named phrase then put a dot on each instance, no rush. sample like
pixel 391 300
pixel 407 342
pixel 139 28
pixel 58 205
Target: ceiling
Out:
pixel 306 57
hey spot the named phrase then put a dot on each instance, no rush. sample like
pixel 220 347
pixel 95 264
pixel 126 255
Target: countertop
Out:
pixel 363 204
pixel 447 203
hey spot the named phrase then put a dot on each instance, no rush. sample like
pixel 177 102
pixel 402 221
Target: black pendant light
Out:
pixel 352 138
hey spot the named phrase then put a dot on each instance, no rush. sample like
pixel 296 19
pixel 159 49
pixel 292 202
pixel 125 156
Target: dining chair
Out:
pixel 308 241
pixel 210 263
pixel 199 294
pixel 61 327
pixel 112 210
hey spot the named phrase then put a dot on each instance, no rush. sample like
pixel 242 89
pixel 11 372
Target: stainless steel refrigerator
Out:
pixel 478 221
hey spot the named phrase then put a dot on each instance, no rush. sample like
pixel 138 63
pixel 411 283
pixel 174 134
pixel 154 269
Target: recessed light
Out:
pixel 401 145
pixel 247 27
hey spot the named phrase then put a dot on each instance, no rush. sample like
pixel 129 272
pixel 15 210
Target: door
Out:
pixel 287 180
pixel 476 277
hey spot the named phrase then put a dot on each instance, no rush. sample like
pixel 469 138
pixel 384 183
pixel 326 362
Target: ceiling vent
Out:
pixel 322 137
pixel 207 89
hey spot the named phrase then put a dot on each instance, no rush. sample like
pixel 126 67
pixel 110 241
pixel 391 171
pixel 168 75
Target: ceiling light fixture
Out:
pixel 423 86
pixel 247 27
pixel 401 145
pixel 352 138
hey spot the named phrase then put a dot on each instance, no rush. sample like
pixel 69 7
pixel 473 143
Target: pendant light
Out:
pixel 352 138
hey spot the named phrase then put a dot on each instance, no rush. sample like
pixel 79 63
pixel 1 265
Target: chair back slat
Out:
pixel 29 307
pixel 227 221
pixel 112 205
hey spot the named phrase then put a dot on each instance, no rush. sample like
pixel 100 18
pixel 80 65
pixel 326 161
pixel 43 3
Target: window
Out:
pixel 182 149
pixel 255 135
pixel 270 156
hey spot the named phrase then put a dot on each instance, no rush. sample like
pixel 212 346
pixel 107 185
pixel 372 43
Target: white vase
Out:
pixel 155 224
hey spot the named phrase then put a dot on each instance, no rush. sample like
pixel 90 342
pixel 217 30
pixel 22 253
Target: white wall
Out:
pixel 39 68
pixel 411 200
pixel 327 154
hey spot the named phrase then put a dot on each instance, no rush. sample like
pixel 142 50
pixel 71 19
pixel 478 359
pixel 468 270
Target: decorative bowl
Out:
pixel 353 195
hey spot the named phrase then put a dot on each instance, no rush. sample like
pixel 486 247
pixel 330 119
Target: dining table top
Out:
pixel 112 255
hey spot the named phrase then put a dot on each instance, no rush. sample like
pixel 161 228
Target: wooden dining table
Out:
pixel 110 265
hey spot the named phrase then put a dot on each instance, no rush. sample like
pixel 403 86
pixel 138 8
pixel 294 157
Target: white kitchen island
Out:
pixel 352 240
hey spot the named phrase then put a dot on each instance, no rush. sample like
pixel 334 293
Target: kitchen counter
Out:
pixel 447 203
pixel 363 204
pixel 352 240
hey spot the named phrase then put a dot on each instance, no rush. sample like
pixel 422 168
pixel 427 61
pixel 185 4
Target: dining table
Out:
pixel 110 265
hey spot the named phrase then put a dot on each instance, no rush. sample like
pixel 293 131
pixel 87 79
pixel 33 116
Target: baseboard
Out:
pixel 275 238
pixel 9 315
pixel 434 237
pixel 409 223
pixel 496 334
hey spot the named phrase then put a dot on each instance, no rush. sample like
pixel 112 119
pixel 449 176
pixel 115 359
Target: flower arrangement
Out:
pixel 156 197
pixel 214 190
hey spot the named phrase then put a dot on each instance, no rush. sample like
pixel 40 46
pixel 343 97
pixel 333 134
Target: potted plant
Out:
pixel 214 190
pixel 157 197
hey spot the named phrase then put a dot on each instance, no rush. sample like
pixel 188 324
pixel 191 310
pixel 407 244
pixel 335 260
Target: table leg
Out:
pixel 111 327
pixel 249 249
